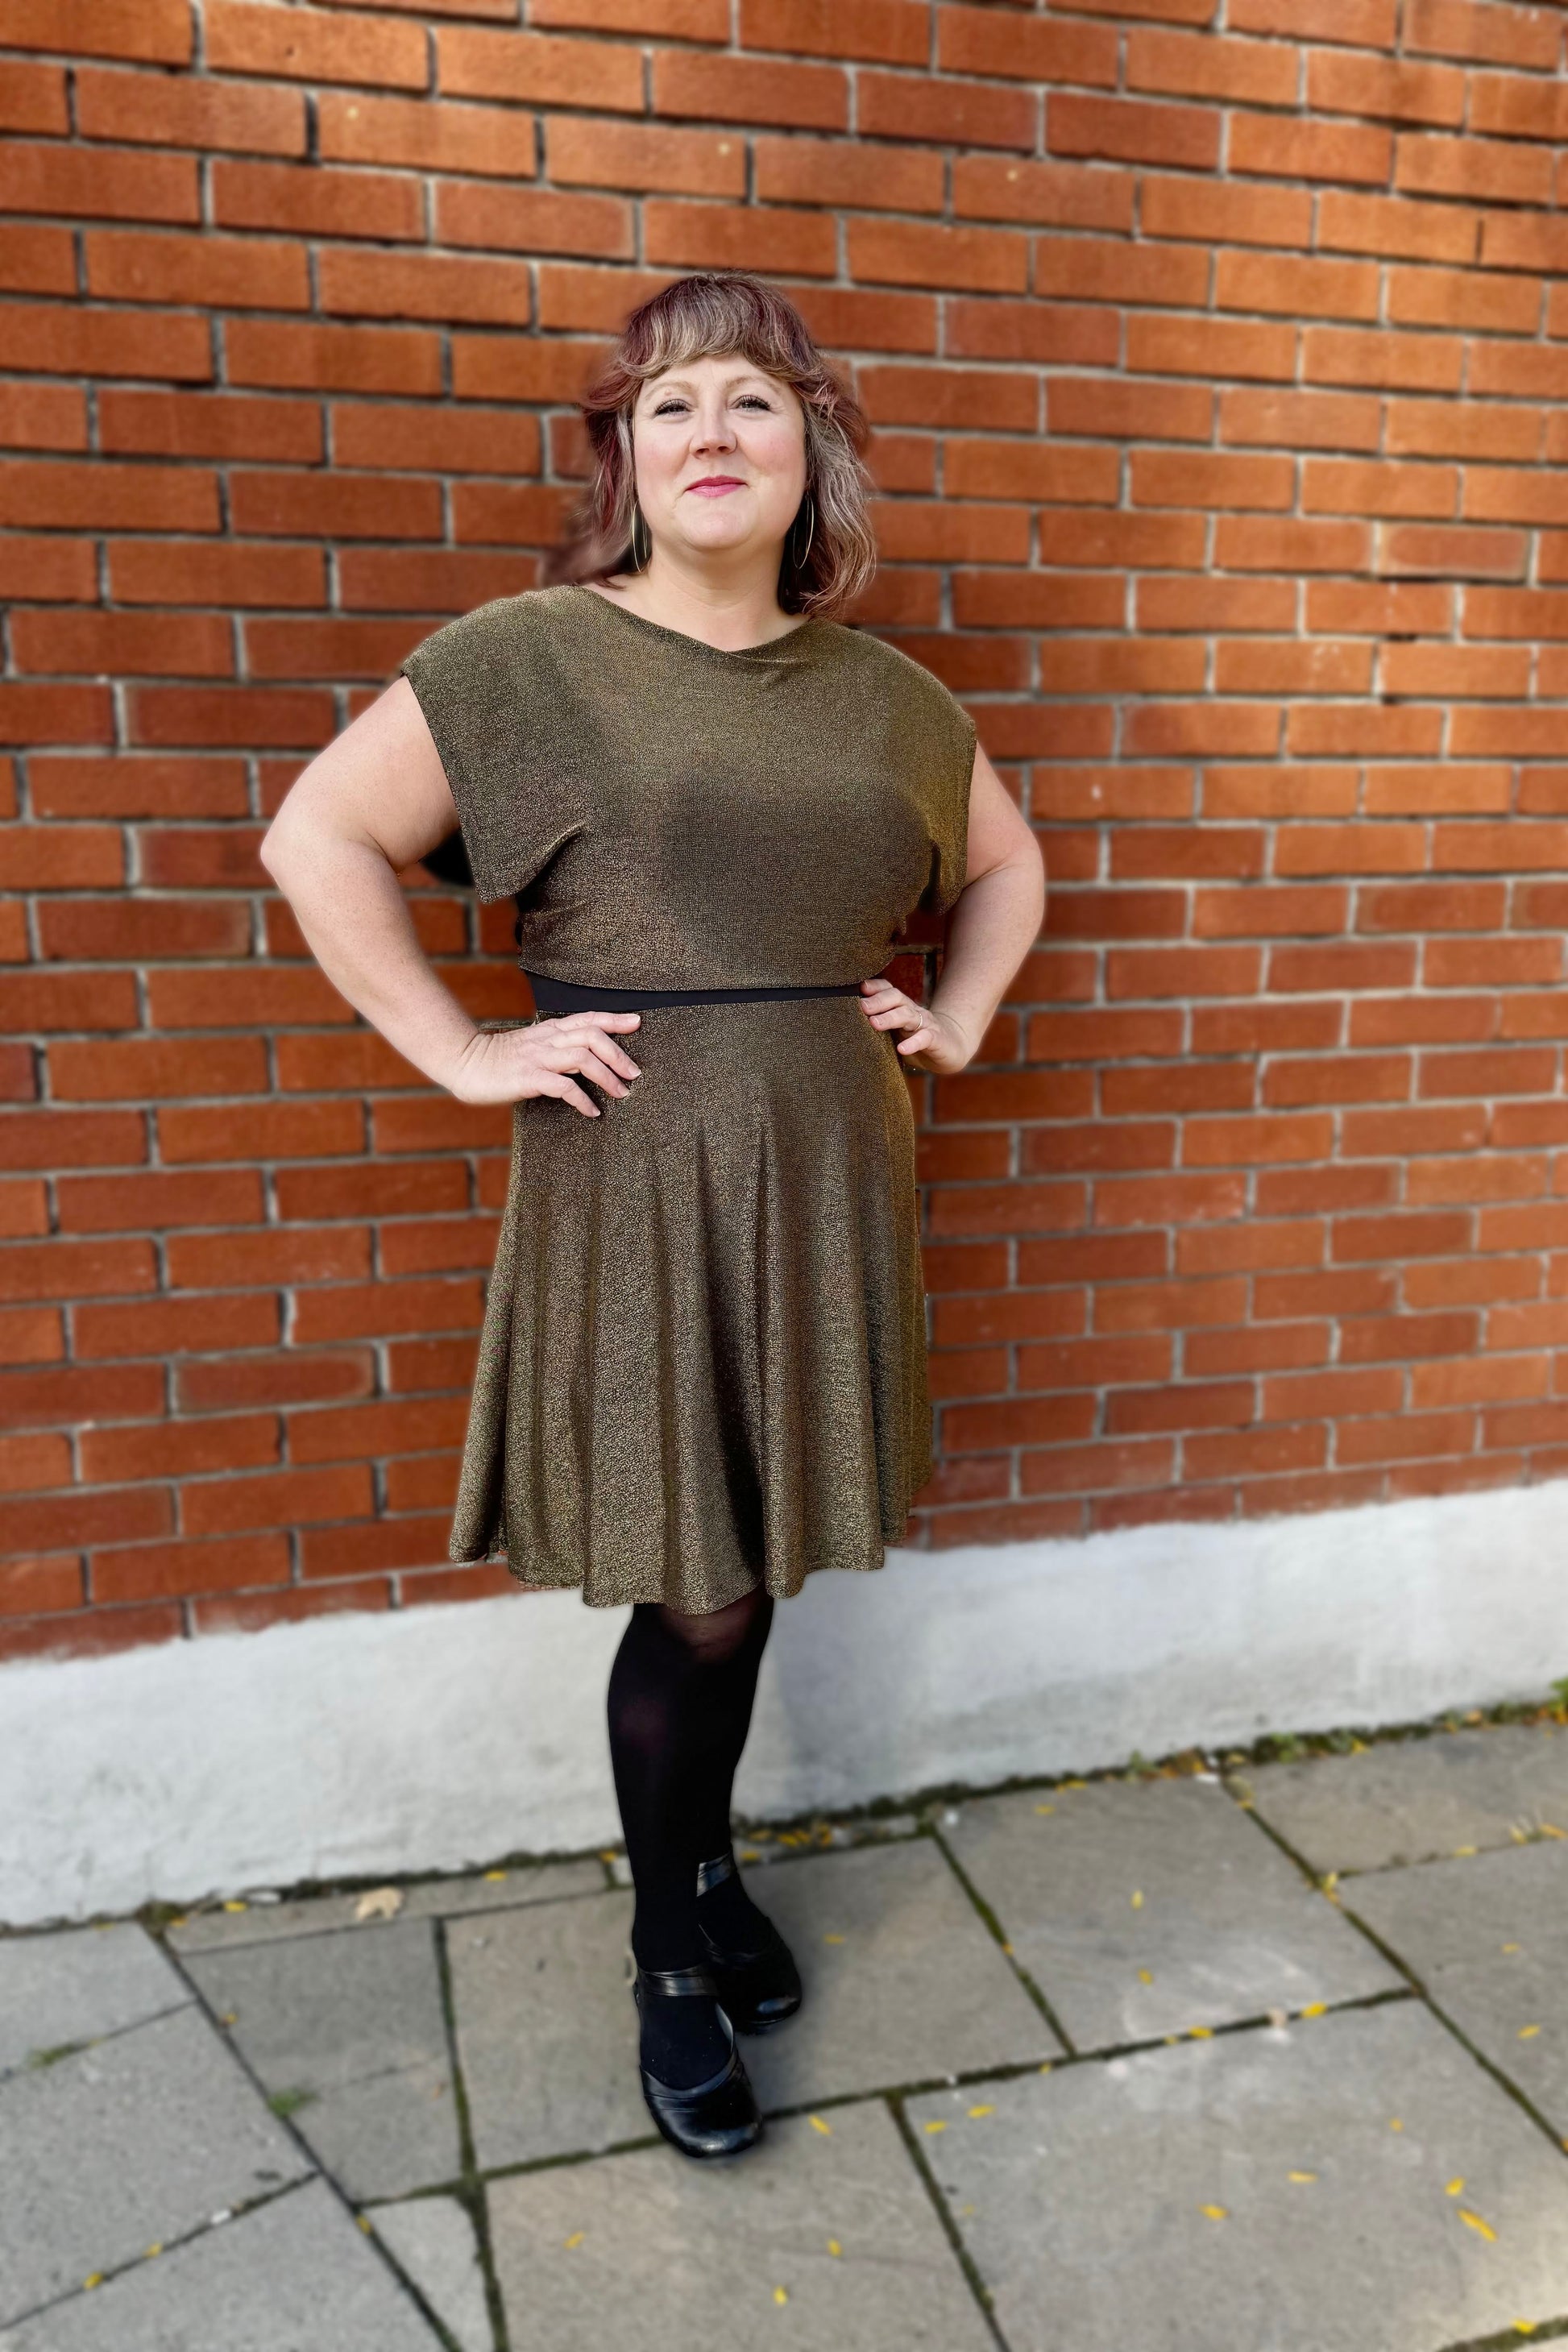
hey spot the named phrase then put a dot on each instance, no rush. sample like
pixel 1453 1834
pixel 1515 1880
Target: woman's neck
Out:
pixel 729 615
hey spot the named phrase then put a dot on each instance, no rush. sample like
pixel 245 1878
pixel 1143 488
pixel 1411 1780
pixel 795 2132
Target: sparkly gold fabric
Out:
pixel 702 1364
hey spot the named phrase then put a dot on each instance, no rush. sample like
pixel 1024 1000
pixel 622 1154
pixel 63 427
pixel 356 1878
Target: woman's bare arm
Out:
pixel 375 800
pixel 993 926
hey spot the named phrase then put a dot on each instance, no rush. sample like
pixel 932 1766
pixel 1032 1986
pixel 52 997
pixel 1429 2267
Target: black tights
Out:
pixel 679 1708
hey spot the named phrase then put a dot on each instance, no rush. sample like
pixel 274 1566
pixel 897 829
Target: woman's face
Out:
pixel 719 452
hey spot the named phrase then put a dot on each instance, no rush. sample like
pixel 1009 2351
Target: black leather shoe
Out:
pixel 760 1986
pixel 716 2117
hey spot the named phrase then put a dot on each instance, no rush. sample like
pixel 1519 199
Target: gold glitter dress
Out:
pixel 703 1359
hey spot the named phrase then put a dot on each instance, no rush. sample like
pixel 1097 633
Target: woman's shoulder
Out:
pixel 873 661
pixel 503 630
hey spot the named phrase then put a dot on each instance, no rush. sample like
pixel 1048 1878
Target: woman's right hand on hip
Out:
pixel 501 1065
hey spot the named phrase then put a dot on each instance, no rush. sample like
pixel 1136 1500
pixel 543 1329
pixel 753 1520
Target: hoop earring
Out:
pixel 638 558
pixel 799 561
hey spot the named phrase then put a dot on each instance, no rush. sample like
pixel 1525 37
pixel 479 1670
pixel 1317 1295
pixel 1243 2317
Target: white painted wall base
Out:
pixel 434 1738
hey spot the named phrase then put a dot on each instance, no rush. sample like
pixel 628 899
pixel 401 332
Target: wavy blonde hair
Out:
pixel 709 315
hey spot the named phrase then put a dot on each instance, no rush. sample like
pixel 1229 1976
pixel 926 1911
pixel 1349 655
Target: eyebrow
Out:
pixel 683 382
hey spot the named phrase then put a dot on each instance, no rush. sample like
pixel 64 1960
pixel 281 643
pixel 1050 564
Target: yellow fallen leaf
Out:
pixel 1474 2222
pixel 1517 1834
pixel 365 2221
pixel 1394 2124
pixel 1145 1976
pixel 379 1903
pixel 1549 1829
pixel 818 2124
pixel 608 1855
pixel 780 2294
pixel 574 2239
pixel 229 2017
pixel 982 2111
pixel 1315 2008
pixel 1075 1784
pixel 1455 2187
pixel 748 1854
pixel 1525 2326
pixel 1461 1851
pixel 1528 2033
pixel 492 1876
pixel 1137 1898
pixel 1303 2176
pixel 1045 2069
pixel 832 1939
pixel 182 1922
pixel 1329 1881
pixel 1008 1949
pixel 95 2279
pixel 934 2125
pixel 1511 1947
pixel 1215 2212
pixel 153 2251
pixel 237 1907
pixel 1201 2032
pixel 834 2247
pixel 1044 1809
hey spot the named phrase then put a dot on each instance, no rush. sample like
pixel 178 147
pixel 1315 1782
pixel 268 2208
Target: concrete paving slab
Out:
pixel 294 2275
pixel 57 1991
pixel 432 2241
pixel 350 2032
pixel 1486 1939
pixel 251 1922
pixel 823 2241
pixel 903 1980
pixel 547 2029
pixel 1414 1799
pixel 1351 2182
pixel 1143 1908
pixel 133 2142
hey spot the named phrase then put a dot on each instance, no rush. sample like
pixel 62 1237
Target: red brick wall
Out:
pixel 1219 383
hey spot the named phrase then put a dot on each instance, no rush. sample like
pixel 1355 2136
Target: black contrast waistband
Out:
pixel 567 996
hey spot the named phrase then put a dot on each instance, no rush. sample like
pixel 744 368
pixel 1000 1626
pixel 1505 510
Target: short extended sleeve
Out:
pixel 483 686
pixel 949 736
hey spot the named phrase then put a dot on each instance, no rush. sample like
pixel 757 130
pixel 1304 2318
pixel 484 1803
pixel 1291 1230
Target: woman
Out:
pixel 702 1370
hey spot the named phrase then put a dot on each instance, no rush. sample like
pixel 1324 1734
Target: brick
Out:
pixel 989 470
pixel 55 178
pixel 423 134
pixel 227 273
pixel 727 89
pixel 1300 420
pixel 789 171
pixel 1130 131
pixel 1263 145
pixel 915 253
pixel 978 40
pixel 1224 214
pixel 1399 89
pixel 1455 549
pixel 1247 543
pixel 1363 24
pixel 1296 288
pixel 56 340
pixel 1031 332
pixel 1199 478
pixel 308 45
pixel 1394 362
pixel 1444 428
pixel 1517 371
pixel 720 236
pixel 1508 494
pixel 904 106
pixel 278 1498
pixel 1495 171
pixel 986 187
pixel 1518 106
pixel 311 200
pixel 1475 28
pixel 1393 225
pixel 1292 668
pixel 1516 613
pixel 1209 347
pixel 156 32
pixel 1224 606
pixel 1340 486
pixel 898 32
pixel 1119 411
pixel 1380 608
pixel 157 110
pixel 1102 269
pixel 1208 65
pixel 682 20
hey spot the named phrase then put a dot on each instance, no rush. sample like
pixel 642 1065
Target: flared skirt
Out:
pixel 702 1365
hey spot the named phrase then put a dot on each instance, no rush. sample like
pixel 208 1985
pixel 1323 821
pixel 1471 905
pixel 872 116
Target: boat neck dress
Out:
pixel 702 1364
